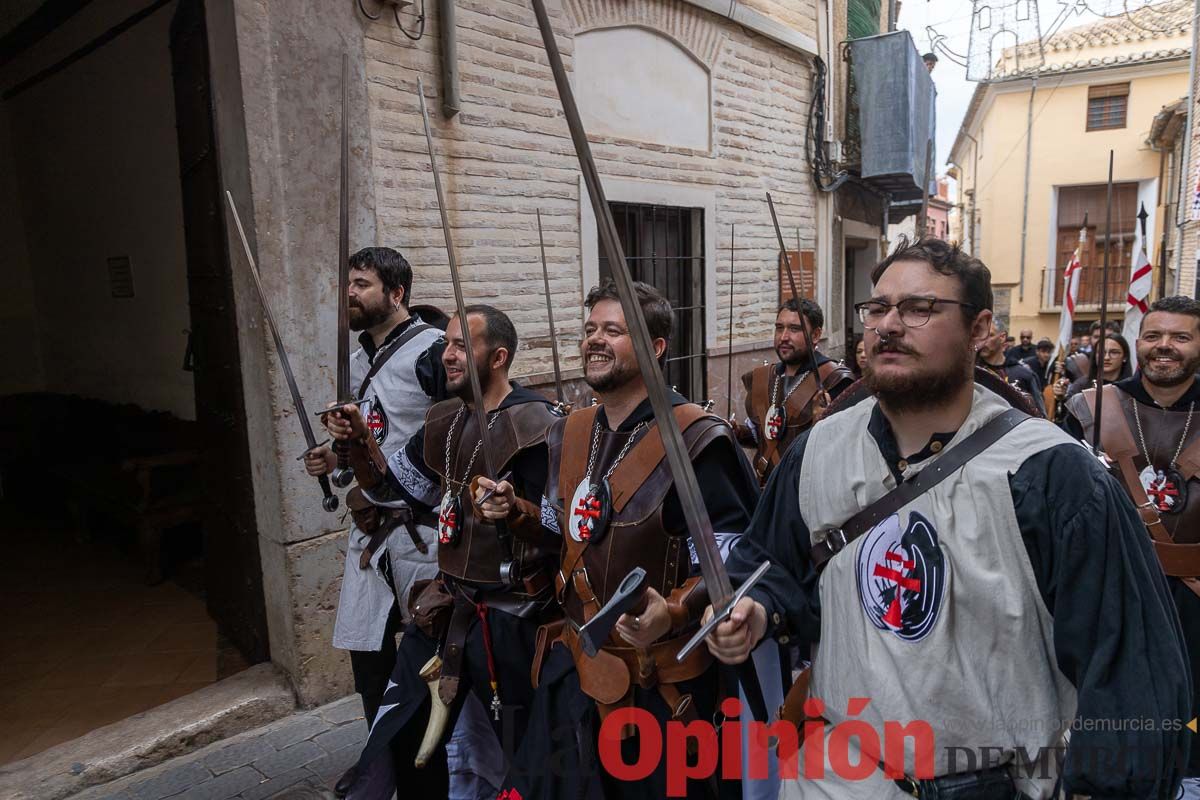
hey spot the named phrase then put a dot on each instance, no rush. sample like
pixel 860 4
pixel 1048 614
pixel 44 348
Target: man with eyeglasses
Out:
pixel 963 570
pixel 784 399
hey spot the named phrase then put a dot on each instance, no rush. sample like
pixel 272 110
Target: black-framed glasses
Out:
pixel 914 311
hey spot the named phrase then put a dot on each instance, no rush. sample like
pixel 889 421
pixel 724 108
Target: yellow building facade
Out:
pixel 1031 159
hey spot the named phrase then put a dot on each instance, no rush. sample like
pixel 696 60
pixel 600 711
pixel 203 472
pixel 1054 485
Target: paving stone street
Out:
pixel 299 756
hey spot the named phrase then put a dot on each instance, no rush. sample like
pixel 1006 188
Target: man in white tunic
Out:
pixel 1010 601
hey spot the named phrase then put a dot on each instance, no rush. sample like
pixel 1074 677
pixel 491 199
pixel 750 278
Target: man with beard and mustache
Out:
pixel 481 621
pixel 1007 367
pixel 397 373
pixel 1004 595
pixel 783 400
pixel 610 495
pixel 1149 434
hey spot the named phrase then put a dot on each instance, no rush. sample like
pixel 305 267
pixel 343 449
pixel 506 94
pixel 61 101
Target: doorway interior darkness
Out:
pixel 664 246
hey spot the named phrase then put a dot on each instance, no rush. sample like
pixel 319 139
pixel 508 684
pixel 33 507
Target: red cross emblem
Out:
pixel 375 422
pixel 893 616
pixel 447 523
pixel 774 426
pixel 509 794
pixel 589 510
pixel 1162 493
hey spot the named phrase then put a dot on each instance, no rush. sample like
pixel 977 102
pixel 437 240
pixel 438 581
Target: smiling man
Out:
pixel 610 495
pixel 782 399
pixel 963 566
pixel 1148 429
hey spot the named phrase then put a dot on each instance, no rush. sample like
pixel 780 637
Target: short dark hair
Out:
pixel 660 318
pixel 393 270
pixel 498 329
pixel 946 259
pixel 1111 325
pixel 1045 344
pixel 805 308
pixel 1175 304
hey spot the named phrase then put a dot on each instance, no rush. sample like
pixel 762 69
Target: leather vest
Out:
pixel 635 536
pixel 1162 430
pixel 798 408
pixel 476 556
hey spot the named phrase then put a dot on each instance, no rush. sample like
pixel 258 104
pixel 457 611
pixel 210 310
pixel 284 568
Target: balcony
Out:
pixel 1091 287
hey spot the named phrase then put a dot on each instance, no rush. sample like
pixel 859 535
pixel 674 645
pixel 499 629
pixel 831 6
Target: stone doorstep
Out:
pixel 249 699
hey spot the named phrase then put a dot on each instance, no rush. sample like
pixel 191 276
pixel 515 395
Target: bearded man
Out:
pixel 1149 432
pixel 973 571
pixel 784 399
pixel 397 374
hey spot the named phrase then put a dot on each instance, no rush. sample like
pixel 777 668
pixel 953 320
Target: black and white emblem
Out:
pixel 449 519
pixel 1166 489
pixel 376 419
pixel 774 423
pixel 902 576
pixel 590 511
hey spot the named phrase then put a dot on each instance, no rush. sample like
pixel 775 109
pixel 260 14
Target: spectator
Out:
pixel 1116 368
pixel 1039 361
pixel 1023 350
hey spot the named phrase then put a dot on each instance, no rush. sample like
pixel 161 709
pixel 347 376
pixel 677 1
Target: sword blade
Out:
pixel 343 321
pixel 812 352
pixel 310 439
pixel 686 486
pixel 558 387
pixel 729 360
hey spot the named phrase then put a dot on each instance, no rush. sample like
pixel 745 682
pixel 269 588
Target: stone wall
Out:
pixel 505 156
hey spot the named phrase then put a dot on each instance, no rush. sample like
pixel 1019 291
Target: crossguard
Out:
pixel 310 449
pixel 721 615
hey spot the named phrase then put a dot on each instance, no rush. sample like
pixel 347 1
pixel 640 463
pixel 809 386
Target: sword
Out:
pixel 716 579
pixel 329 502
pixel 342 475
pixel 1098 352
pixel 729 364
pixel 812 353
pixel 508 570
pixel 558 387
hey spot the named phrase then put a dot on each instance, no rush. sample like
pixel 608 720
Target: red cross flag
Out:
pixel 1140 282
pixel 1070 294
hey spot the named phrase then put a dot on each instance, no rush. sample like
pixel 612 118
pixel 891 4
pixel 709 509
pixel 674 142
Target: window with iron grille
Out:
pixel 1107 106
pixel 664 247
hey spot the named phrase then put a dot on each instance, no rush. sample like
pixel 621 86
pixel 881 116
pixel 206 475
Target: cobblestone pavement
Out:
pixel 296 757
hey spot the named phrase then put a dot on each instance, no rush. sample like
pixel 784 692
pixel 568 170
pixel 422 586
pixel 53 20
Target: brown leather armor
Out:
pixel 635 535
pixel 1176 535
pixel 798 409
pixel 476 556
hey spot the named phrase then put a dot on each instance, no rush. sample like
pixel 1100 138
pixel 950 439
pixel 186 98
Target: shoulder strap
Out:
pixel 1189 460
pixel 381 358
pixel 646 455
pixel 759 396
pixel 1116 438
pixel 946 465
pixel 577 437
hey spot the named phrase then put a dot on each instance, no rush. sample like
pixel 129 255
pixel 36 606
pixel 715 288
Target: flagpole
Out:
pixel 1098 353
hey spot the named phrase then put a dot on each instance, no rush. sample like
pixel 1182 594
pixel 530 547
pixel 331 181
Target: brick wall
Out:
pixel 508 153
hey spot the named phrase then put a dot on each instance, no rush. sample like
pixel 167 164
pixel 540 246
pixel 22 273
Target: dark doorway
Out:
pixel 664 247
pixel 125 496
pixel 233 570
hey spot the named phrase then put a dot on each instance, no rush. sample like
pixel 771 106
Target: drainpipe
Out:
pixel 448 26
pixel 1025 200
pixel 1185 172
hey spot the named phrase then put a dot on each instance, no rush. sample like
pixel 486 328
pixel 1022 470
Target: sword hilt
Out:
pixel 329 501
pixel 342 475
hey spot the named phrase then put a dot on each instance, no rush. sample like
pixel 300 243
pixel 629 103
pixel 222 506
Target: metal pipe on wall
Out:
pixel 1025 199
pixel 448 34
pixel 1185 167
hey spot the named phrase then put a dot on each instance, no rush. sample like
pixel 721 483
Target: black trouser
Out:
pixel 373 668
pixel 403 725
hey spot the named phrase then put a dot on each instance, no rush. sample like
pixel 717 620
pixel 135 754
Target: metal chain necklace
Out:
pixel 775 386
pixel 1182 439
pixel 594 451
pixel 450 482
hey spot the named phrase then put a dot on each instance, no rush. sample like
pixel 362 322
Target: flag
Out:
pixel 1140 281
pixel 1071 277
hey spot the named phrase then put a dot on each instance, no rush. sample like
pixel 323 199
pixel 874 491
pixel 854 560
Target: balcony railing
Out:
pixel 1091 286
